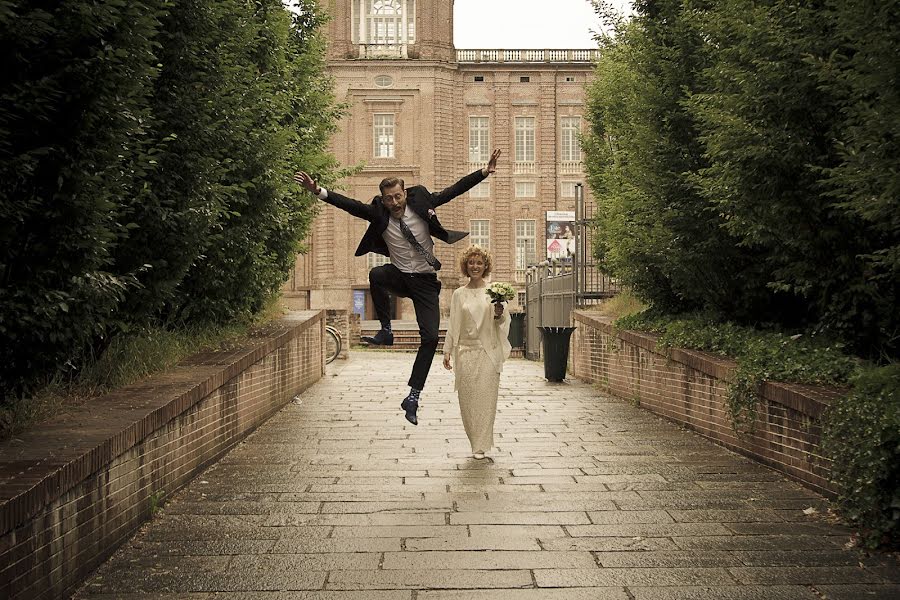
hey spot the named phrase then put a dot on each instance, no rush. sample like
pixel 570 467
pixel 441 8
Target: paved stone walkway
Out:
pixel 585 497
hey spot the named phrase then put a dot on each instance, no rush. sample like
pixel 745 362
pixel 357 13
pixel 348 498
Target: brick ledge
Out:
pixel 810 400
pixel 41 465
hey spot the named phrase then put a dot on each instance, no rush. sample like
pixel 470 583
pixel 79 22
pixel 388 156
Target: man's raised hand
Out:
pixel 307 182
pixel 492 164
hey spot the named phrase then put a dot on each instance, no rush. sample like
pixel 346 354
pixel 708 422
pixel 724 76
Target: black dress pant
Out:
pixel 424 289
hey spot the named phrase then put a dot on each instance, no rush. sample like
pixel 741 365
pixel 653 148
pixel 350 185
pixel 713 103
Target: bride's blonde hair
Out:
pixel 475 251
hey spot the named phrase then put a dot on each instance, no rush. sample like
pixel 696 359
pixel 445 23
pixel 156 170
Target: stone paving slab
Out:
pixel 584 497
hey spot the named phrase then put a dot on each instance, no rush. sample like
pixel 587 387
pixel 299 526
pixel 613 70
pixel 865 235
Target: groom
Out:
pixel 402 223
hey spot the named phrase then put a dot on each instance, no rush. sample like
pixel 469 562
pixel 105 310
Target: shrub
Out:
pixel 861 430
pixel 742 156
pixel 760 356
pixel 862 439
pixel 147 149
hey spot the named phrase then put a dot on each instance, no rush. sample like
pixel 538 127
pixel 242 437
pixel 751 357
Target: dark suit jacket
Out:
pixel 419 199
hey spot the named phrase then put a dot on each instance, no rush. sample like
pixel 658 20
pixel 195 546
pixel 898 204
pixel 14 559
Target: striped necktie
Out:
pixel 428 256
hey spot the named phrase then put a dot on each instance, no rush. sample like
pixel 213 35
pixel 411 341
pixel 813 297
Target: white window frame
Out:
pixel 482 190
pixel 524 139
pixel 567 189
pixel 526 189
pixel 385 22
pixel 479 139
pixel 570 147
pixel 376 260
pixel 526 243
pixel 480 232
pixel 384 135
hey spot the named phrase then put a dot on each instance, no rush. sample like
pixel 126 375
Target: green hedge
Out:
pixel 760 355
pixel 862 438
pixel 146 150
pixel 743 159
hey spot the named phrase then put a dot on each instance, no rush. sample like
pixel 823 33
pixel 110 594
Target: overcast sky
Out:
pixel 519 24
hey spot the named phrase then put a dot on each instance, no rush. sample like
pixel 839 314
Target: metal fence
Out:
pixel 553 288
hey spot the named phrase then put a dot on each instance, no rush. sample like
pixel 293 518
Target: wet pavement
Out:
pixel 337 497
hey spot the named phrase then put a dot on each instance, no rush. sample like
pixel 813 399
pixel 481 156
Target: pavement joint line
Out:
pixel 636 499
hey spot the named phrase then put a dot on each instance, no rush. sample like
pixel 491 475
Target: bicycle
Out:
pixel 332 344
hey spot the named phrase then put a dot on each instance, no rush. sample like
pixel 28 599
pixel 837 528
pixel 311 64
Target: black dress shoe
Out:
pixel 382 338
pixel 410 406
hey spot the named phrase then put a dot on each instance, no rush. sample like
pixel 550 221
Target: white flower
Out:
pixel 501 292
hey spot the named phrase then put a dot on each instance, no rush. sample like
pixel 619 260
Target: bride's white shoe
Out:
pixel 478 455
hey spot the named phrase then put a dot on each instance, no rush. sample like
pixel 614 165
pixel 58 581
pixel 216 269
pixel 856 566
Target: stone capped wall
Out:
pixel 689 387
pixel 76 487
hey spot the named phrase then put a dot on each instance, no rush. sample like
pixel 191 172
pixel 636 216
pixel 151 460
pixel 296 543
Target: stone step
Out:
pixel 405 339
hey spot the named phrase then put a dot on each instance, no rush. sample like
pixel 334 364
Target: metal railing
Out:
pixel 554 288
pixel 501 56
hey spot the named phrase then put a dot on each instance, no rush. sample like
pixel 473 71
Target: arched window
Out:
pixel 386 22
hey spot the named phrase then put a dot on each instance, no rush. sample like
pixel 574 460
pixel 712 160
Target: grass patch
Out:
pixel 130 357
pixel 623 304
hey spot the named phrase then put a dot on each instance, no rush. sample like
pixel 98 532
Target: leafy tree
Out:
pixel 742 154
pixel 654 230
pixel 276 111
pixel 147 152
pixel 860 75
pixel 73 113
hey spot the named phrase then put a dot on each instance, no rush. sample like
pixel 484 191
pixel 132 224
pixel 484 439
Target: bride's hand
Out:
pixel 447 362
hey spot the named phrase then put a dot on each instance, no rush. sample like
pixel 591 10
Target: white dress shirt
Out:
pixel 403 255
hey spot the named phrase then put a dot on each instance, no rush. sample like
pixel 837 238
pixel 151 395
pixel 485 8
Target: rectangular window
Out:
pixel 524 79
pixel 384 135
pixel 524 139
pixel 376 260
pixel 480 232
pixel 525 244
pixel 482 190
pixel 525 189
pixel 479 139
pixel 479 78
pixel 570 79
pixel 571 150
pixel 567 189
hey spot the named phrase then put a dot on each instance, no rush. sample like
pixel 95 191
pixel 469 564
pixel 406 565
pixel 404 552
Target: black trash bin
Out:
pixel 517 330
pixel 555 344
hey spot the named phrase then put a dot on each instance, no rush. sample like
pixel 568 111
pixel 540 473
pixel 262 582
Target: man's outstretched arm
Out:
pixel 468 182
pixel 354 207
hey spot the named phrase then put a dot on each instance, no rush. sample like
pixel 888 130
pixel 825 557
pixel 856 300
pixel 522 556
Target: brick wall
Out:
pixel 689 387
pixel 355 330
pixel 79 485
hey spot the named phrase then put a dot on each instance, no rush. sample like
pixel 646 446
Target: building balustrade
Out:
pixel 570 167
pixel 523 168
pixel 382 50
pixel 503 56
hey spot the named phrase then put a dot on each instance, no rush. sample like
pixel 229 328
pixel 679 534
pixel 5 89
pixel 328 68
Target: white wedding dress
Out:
pixel 479 346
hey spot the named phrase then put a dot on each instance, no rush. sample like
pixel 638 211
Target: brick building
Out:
pixel 422 110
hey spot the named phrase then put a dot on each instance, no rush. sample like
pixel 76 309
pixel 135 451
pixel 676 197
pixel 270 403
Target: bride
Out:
pixel 477 343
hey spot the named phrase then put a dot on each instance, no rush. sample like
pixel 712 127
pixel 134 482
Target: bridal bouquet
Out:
pixel 500 292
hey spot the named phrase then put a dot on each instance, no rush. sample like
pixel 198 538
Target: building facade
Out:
pixel 422 110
